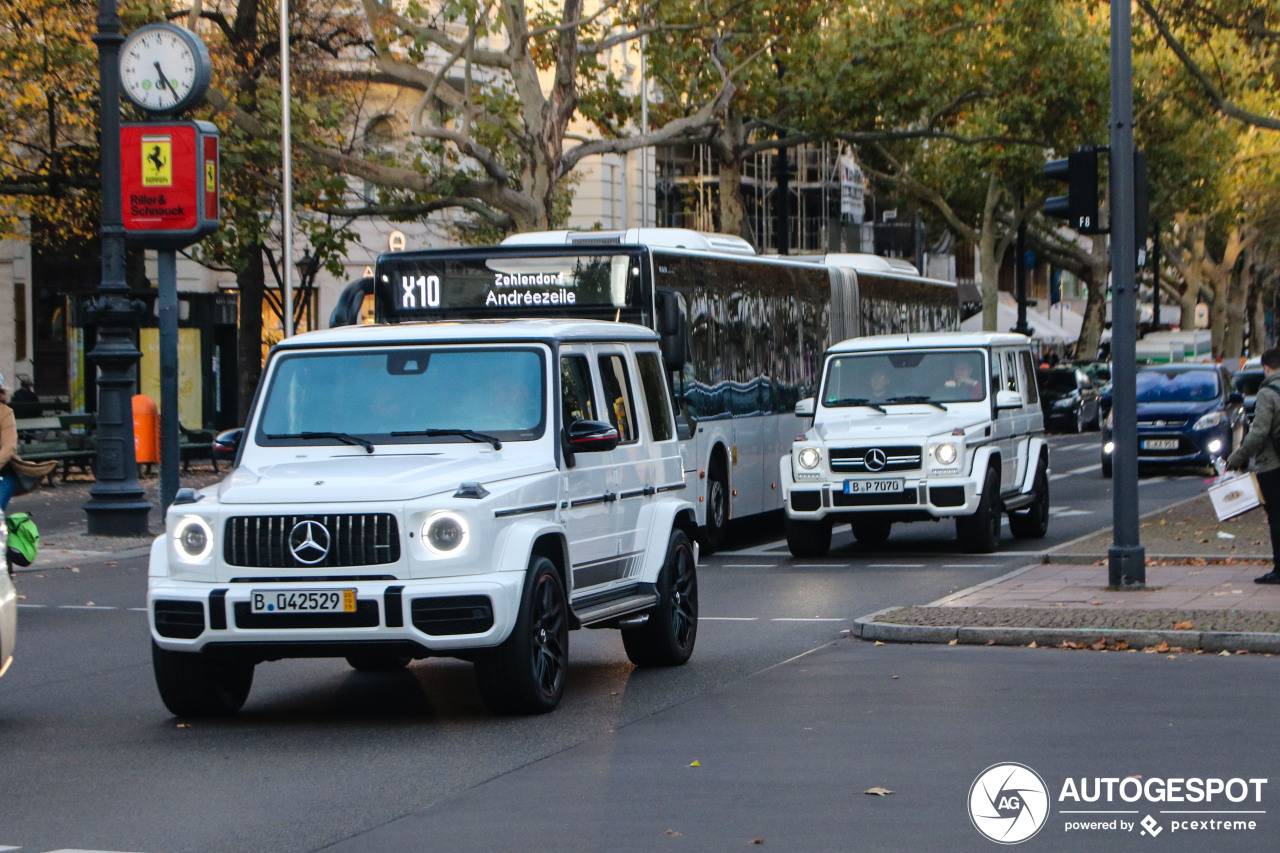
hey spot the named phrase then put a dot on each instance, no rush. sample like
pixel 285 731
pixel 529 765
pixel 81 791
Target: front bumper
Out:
pixel 442 616
pixel 919 499
pixel 1192 448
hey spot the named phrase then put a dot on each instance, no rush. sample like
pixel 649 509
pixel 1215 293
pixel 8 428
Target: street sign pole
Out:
pixel 1126 560
pixel 167 306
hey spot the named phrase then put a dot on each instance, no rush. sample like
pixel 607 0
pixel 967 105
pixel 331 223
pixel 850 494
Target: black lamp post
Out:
pixel 117 504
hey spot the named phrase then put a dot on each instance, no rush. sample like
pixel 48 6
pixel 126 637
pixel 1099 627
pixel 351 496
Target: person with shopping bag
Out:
pixel 1260 445
pixel 17 476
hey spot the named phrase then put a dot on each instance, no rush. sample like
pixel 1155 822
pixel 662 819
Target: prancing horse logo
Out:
pixel 309 542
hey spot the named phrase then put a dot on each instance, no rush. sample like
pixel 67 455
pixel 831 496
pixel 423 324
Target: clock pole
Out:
pixel 117 504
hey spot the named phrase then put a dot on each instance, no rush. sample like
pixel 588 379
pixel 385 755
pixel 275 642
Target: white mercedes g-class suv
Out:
pixel 920 427
pixel 468 489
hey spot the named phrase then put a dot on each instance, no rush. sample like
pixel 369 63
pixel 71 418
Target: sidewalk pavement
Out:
pixel 1200 594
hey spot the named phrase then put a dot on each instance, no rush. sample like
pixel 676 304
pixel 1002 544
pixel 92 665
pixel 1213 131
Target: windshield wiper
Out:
pixel 344 437
pixel 464 433
pixel 856 401
pixel 918 398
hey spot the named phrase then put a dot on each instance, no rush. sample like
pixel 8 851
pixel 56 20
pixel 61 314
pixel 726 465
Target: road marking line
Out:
pixel 33 607
pixel 971 566
pixel 820 565
pixel 769 550
pixel 728 618
pixel 84 607
pixel 804 619
pixel 1066 511
pixel 894 565
pixel 747 565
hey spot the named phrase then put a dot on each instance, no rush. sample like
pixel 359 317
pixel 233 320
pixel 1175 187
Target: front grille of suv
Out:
pixel 369 539
pixel 853 460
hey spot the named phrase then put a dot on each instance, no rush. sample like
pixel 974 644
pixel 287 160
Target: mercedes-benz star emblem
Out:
pixel 875 460
pixel 309 542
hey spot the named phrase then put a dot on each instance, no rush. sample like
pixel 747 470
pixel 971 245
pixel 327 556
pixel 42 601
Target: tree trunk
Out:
pixel 252 284
pixel 990 253
pixel 1095 308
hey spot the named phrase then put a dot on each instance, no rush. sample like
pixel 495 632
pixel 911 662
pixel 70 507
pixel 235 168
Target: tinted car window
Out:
pixel 1247 381
pixel 1058 381
pixel 1174 386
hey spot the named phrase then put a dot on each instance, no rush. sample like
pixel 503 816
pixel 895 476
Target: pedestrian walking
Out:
pixel 17 477
pixel 1260 445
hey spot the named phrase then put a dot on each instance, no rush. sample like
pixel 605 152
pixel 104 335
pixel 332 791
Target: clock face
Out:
pixel 164 68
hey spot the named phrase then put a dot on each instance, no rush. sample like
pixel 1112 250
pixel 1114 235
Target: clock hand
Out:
pixel 164 81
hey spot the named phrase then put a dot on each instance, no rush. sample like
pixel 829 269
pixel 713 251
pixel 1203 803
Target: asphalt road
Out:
pixel 790 721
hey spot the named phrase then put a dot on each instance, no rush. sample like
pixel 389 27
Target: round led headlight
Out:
pixel 193 539
pixel 445 533
pixel 809 457
pixel 945 453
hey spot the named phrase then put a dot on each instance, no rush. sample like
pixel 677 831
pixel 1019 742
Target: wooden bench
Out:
pixel 194 443
pixel 81 457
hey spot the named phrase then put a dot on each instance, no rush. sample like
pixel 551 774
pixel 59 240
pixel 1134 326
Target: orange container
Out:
pixel 146 429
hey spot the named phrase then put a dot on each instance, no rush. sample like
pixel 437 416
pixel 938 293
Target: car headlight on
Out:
pixel 193 539
pixel 809 458
pixel 445 533
pixel 946 453
pixel 1212 419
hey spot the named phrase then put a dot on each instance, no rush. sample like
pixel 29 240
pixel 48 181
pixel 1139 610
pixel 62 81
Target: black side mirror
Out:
pixel 1236 398
pixel 591 436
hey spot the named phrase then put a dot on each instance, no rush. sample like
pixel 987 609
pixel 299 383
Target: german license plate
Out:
pixel 872 487
pixel 303 601
pixel 1160 444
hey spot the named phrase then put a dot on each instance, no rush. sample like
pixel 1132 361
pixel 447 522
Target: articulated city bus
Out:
pixel 742 335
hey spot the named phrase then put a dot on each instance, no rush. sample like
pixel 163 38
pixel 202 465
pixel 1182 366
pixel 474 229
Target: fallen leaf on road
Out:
pixel 1184 626
pixel 673 832
pixel 878 791
pixel 696 763
pixel 1163 647
pixel 879 642
pixel 74 568
pixel 757 841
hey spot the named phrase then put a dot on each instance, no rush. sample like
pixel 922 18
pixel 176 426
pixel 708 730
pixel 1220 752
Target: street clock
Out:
pixel 164 69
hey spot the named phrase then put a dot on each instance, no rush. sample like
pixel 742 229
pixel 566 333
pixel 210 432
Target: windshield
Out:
pixel 1058 381
pixel 1177 386
pixel 1247 382
pixel 371 394
pixel 899 378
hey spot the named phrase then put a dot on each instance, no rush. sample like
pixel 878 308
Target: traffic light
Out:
pixel 1080 206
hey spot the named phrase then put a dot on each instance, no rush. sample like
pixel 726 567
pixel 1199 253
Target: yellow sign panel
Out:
pixel 210 177
pixel 157 161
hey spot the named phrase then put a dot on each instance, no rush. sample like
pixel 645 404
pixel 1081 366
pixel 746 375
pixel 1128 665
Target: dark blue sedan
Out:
pixel 1188 414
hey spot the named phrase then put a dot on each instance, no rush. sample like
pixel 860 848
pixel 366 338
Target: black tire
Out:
pixel 980 532
pixel 871 531
pixel 1106 469
pixel 194 685
pixel 1033 522
pixel 526 674
pixel 713 532
pixel 378 661
pixel 667 638
pixel 808 538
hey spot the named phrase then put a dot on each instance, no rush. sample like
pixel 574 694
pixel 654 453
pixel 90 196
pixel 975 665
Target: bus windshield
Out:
pixel 453 285
pixel 405 395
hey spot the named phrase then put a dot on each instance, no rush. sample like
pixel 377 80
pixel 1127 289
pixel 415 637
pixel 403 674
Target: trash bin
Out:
pixel 146 430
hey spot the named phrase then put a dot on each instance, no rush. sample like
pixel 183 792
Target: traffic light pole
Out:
pixel 1126 560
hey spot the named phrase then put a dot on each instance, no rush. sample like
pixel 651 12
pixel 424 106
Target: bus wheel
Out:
pixel 717 510
pixel 808 538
